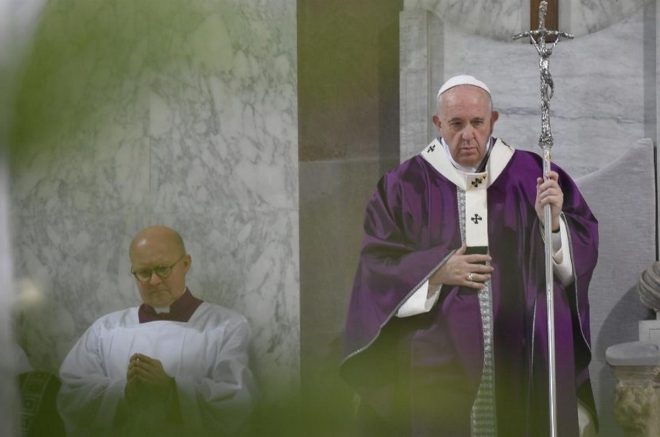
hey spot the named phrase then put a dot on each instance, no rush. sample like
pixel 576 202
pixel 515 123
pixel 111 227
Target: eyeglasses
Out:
pixel 161 271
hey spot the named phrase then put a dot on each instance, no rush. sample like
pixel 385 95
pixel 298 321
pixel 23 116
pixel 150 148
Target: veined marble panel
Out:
pixel 243 153
pixel 159 111
pixel 70 270
pixel 81 112
pixel 588 16
pixel 492 18
pixel 500 19
pixel 223 127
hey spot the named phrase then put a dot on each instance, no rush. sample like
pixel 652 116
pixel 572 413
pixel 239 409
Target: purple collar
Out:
pixel 180 311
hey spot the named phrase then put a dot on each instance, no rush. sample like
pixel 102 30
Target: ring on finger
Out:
pixel 470 276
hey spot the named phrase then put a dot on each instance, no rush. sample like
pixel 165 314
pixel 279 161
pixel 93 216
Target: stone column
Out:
pixel 421 63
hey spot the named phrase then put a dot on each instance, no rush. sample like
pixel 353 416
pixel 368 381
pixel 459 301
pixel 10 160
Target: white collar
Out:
pixel 499 158
pixel 166 310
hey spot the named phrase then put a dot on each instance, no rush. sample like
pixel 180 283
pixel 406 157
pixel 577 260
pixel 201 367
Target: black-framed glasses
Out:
pixel 163 272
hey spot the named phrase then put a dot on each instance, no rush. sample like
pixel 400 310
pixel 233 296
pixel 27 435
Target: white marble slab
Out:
pixel 636 353
pixel 589 16
pixel 492 18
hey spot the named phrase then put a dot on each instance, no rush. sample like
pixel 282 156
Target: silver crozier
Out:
pixel 538 39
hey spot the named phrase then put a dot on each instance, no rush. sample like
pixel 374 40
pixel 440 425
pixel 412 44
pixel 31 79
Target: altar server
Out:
pixel 175 365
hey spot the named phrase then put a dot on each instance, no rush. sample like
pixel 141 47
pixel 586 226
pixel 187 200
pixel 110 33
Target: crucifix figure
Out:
pixel 538 38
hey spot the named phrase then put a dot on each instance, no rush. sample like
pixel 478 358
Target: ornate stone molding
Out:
pixel 637 406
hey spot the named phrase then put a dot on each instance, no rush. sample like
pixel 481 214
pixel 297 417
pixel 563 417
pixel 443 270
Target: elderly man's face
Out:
pixel 465 121
pixel 154 254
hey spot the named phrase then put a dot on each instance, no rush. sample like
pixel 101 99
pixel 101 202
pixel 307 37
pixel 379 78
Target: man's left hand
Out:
pixel 548 192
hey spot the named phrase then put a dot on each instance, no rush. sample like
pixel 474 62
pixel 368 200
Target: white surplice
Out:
pixel 207 356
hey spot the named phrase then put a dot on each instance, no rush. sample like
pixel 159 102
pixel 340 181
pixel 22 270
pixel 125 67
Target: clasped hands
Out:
pixel 474 270
pixel 146 380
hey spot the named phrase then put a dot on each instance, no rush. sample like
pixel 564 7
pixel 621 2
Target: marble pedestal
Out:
pixel 637 371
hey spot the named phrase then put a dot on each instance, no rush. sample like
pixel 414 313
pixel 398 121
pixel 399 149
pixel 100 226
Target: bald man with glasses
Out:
pixel 174 365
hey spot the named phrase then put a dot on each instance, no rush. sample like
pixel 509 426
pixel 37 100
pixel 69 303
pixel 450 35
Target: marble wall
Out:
pixel 176 112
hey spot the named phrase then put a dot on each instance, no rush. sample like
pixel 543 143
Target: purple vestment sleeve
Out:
pixel 572 326
pixel 398 253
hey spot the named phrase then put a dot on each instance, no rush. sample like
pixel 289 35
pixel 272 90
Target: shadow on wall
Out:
pixel 622 321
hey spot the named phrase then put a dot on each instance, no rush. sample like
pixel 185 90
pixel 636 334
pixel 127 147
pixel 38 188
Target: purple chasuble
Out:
pixel 180 311
pixel 419 375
